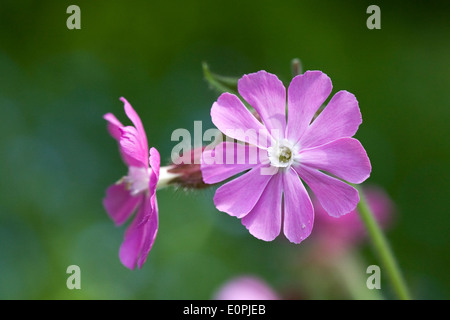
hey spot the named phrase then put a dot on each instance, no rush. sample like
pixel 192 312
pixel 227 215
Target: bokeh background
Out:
pixel 57 158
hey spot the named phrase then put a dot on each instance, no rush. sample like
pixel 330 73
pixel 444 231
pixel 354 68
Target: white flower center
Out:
pixel 137 180
pixel 281 154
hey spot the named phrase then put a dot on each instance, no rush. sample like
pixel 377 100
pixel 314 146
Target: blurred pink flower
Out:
pixel 271 196
pixel 246 288
pixel 335 235
pixel 136 191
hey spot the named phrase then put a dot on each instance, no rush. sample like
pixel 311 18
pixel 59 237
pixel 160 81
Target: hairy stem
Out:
pixel 382 248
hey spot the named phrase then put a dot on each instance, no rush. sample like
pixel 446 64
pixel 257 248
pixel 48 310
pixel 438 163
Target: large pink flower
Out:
pixel 291 149
pixel 136 191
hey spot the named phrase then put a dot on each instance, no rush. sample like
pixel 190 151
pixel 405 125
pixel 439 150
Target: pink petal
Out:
pixel 341 118
pixel 139 236
pixel 132 140
pixel 267 95
pixel 155 164
pixel 119 204
pixel 298 209
pixel 228 159
pixel 133 116
pixel 240 195
pixel 231 117
pixel 264 220
pixel 151 222
pixel 151 229
pixel 336 197
pixel 306 93
pixel 133 151
pixel 344 158
pixel 114 125
pixel 155 160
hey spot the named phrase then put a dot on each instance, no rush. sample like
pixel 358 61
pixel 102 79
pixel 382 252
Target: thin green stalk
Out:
pixel 383 249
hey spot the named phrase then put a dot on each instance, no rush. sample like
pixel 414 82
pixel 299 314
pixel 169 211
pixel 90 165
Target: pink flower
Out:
pixel 271 196
pixel 246 288
pixel 334 236
pixel 136 191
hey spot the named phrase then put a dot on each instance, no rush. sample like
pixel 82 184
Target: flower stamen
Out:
pixel 285 154
pixel 281 154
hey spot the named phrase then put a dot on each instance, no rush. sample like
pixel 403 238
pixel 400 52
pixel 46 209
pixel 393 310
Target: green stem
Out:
pixel 383 249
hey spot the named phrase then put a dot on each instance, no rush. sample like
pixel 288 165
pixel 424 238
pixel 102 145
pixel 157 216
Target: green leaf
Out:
pixel 218 82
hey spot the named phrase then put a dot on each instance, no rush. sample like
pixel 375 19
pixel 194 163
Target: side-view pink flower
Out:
pixel 136 191
pixel 294 148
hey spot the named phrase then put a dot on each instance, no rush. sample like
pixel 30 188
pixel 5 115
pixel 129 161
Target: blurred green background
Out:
pixel 57 158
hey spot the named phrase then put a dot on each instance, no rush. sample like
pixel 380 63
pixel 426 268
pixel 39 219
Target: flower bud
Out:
pixel 187 174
